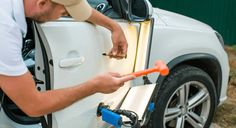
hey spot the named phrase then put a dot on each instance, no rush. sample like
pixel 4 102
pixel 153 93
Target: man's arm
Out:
pixel 120 44
pixel 21 89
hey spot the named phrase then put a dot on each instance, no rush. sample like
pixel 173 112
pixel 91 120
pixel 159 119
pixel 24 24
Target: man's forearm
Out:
pixel 100 19
pixel 54 100
pixel 23 92
pixel 21 89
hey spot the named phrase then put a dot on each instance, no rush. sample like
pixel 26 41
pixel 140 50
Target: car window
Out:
pixel 95 3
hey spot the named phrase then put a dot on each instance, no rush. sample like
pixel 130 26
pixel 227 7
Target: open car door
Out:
pixel 73 52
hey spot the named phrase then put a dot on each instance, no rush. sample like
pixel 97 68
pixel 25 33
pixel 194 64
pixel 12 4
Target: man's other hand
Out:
pixel 109 82
pixel 120 45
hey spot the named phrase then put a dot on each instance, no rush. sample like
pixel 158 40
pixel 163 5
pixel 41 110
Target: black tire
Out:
pixel 170 95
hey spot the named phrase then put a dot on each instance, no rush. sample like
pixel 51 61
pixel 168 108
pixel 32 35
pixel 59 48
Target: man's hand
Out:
pixel 120 45
pixel 108 82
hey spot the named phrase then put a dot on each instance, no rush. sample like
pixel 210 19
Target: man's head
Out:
pixel 43 10
pixel 47 10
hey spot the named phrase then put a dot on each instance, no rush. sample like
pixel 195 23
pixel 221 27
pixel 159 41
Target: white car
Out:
pixel 65 52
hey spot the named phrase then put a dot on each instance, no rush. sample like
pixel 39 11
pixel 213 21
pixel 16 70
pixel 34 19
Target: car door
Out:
pixel 75 50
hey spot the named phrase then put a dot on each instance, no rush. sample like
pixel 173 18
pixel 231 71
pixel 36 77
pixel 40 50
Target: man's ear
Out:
pixel 42 3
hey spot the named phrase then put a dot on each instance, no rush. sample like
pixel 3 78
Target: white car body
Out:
pixel 76 51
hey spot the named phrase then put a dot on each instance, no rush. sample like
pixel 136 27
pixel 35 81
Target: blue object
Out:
pixel 111 117
pixel 151 107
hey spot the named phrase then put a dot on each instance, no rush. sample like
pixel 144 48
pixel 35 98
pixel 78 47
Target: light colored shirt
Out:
pixel 12 29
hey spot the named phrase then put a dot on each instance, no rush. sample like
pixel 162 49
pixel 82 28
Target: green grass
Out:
pixel 234 120
pixel 234 47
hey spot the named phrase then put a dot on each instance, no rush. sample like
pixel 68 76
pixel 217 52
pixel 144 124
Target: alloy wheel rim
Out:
pixel 188 105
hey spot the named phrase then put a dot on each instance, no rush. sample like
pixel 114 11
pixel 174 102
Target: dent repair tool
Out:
pixel 160 66
pixel 114 117
pixel 105 54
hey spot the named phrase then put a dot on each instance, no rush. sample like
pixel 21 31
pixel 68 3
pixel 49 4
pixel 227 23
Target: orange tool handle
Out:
pixel 160 66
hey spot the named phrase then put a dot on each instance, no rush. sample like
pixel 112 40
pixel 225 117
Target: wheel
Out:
pixel 187 99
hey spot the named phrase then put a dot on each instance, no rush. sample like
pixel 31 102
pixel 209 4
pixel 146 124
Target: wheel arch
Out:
pixel 206 62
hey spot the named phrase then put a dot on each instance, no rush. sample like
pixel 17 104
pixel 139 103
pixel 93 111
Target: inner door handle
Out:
pixel 71 62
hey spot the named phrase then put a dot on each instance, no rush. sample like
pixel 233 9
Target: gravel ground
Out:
pixel 214 125
pixel 225 116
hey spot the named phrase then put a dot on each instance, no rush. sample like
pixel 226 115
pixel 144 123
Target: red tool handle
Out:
pixel 160 66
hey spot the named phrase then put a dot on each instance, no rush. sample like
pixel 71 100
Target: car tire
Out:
pixel 186 99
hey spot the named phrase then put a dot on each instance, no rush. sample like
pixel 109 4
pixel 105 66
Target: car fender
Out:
pixel 170 43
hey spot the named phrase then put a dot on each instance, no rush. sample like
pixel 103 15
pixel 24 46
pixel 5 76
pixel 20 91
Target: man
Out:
pixel 16 81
